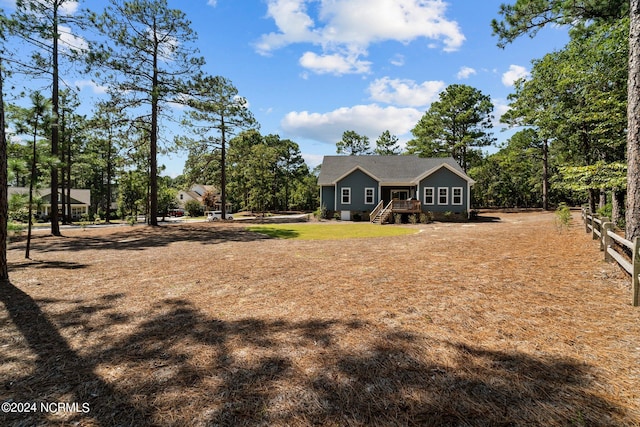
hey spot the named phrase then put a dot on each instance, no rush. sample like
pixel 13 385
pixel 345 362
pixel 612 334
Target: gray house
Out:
pixel 374 187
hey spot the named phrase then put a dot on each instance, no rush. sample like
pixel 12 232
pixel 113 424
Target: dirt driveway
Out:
pixel 504 322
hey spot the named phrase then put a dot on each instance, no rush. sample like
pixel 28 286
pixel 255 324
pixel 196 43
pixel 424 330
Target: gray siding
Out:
pixel 357 181
pixel 328 197
pixel 444 179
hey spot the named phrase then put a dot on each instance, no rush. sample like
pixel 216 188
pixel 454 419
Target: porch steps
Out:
pixel 381 217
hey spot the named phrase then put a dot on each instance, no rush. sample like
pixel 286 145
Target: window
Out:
pixel 369 196
pixel 429 195
pixel 346 196
pixel 456 196
pixel 443 196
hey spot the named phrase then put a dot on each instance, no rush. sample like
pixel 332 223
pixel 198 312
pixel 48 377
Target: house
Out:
pixel 196 191
pixel 80 200
pixel 375 187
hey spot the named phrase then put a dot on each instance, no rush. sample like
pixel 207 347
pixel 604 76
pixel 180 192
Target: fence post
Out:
pixel 586 220
pixel 594 236
pixel 606 240
pixel 603 221
pixel 635 285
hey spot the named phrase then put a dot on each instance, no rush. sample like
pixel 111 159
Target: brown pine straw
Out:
pixel 509 322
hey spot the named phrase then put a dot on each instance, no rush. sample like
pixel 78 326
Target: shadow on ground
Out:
pixel 141 238
pixel 181 367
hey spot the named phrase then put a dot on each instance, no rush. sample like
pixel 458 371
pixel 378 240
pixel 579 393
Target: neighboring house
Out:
pixel 196 191
pixel 375 187
pixel 80 200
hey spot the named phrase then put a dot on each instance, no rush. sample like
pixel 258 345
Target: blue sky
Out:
pixel 312 69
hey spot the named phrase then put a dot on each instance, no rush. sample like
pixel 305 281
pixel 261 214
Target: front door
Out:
pixel 399 194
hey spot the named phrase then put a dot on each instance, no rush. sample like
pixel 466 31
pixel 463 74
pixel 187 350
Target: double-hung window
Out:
pixel 346 195
pixel 443 195
pixel 456 196
pixel 429 196
pixel 369 194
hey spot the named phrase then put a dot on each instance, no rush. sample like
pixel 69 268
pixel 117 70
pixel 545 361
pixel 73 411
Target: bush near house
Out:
pixel 193 208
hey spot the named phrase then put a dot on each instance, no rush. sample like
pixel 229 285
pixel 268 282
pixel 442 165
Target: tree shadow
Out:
pixel 141 238
pixel 183 367
pixel 40 264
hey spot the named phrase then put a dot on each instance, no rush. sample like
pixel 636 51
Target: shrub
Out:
pixel 426 217
pixel 321 212
pixel 413 219
pixel 397 218
pixel 563 216
pixel 193 208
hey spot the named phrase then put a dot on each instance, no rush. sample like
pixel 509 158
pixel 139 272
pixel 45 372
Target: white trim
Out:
pixel 433 196
pixel 453 196
pixel 373 196
pixel 342 195
pixel 446 194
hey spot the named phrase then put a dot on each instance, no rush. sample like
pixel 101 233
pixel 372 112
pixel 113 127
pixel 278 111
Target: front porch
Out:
pixel 381 213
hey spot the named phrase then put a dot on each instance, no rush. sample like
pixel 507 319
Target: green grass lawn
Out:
pixel 324 231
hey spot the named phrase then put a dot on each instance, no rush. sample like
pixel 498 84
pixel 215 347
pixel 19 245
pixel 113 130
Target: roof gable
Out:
pixel 460 173
pixel 386 169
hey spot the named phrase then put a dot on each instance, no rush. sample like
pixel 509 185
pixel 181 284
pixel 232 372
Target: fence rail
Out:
pixel 615 247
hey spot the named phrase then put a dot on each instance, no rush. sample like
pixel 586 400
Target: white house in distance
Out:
pixel 80 200
pixel 196 191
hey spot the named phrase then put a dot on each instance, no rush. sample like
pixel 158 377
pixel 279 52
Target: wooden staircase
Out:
pixel 381 213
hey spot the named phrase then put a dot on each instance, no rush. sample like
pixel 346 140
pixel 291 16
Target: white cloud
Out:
pixel 515 72
pixel 95 88
pixel 212 3
pixel 70 41
pixel 334 64
pixel 397 60
pixel 500 106
pixel 353 25
pixel 69 7
pixel 313 160
pixel 405 92
pixel 465 73
pixel 370 120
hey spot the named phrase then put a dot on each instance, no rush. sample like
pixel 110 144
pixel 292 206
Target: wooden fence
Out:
pixel 616 248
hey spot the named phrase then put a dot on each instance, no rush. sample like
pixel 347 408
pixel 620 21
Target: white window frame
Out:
pixel 369 199
pixel 432 196
pixel 345 191
pixel 455 196
pixel 443 192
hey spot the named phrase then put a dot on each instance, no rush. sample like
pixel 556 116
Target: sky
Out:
pixel 312 69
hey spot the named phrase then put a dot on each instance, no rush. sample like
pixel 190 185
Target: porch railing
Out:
pixel 406 205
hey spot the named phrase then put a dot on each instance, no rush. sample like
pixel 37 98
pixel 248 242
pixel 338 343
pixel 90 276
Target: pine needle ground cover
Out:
pixel 512 323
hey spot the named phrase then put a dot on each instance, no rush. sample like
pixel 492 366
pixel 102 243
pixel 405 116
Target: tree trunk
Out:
pixel 55 134
pixel 32 181
pixel 545 175
pixel 108 206
pixel 617 199
pixel 153 149
pixel 223 171
pixel 4 176
pixel 592 200
pixel 633 125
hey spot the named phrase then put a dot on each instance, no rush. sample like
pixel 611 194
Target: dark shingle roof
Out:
pixel 387 169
